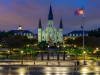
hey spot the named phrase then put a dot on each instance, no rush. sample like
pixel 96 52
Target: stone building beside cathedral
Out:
pixel 50 33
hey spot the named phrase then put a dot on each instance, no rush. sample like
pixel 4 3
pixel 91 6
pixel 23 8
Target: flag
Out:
pixel 79 11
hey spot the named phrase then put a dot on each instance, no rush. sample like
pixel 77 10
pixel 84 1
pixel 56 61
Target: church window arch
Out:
pixel 76 34
pixel 43 37
pixel 57 37
pixel 80 35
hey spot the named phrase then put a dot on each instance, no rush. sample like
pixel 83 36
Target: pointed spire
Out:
pixel 50 16
pixel 61 25
pixel 40 26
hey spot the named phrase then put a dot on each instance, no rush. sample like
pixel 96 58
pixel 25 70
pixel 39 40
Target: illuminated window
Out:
pixel 73 34
pixel 27 34
pixel 86 34
pixel 43 37
pixel 30 34
pixel 20 33
pixel 15 34
pixel 76 34
pixel 24 34
pixel 70 34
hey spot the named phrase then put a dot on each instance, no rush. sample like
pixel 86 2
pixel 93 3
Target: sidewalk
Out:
pixel 46 63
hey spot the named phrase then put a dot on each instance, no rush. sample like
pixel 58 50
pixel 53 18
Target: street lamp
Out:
pixel 58 46
pixel 64 53
pixel 28 45
pixel 97 48
pixel 97 53
pixel 22 56
pixel 58 53
pixel 84 58
pixel 48 52
pixel 8 53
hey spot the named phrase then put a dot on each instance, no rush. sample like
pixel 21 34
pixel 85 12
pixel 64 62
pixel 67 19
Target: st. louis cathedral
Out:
pixel 50 33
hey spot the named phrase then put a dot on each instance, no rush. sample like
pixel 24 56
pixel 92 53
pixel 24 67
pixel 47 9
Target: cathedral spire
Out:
pixel 50 16
pixel 40 26
pixel 61 24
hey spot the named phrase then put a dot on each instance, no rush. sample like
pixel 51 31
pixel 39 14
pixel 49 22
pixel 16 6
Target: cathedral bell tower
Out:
pixel 50 17
pixel 40 31
pixel 61 32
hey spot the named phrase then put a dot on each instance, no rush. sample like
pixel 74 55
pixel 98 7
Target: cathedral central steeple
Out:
pixel 40 26
pixel 50 16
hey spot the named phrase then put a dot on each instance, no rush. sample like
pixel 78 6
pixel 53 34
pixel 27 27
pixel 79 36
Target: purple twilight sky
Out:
pixel 28 12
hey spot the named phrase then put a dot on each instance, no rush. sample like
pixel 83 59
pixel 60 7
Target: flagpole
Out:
pixel 83 34
pixel 83 38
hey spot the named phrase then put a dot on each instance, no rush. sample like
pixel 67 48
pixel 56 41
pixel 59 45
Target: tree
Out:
pixel 10 33
pixel 3 34
pixel 89 50
pixel 42 45
pixel 90 42
pixel 33 41
pixel 94 33
pixel 75 51
pixel 12 43
pixel 24 39
pixel 70 42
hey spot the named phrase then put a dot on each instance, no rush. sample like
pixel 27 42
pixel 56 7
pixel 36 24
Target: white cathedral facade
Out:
pixel 50 33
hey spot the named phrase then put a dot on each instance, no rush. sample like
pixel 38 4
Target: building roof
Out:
pixel 36 35
pixel 21 31
pixel 78 32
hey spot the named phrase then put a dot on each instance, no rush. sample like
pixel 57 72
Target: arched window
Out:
pixel 70 34
pixel 76 34
pixel 43 37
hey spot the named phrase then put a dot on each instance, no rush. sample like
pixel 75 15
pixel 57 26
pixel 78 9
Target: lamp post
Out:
pixel 22 57
pixel 84 58
pixel 58 53
pixel 28 45
pixel 8 53
pixel 48 52
pixel 97 52
pixel 48 46
pixel 64 53
pixel 97 48
pixel 0 45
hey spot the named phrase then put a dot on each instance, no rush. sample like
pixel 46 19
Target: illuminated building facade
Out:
pixel 50 33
